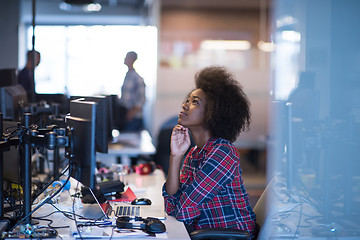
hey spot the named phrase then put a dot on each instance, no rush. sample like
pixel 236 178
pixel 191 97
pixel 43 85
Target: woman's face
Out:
pixel 193 110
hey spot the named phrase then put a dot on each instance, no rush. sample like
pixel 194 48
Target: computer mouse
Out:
pixel 141 201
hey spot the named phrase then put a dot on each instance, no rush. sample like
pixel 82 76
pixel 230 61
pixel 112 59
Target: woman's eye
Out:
pixel 195 101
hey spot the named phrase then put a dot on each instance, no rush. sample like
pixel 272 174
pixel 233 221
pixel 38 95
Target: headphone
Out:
pixel 149 224
pixel 145 168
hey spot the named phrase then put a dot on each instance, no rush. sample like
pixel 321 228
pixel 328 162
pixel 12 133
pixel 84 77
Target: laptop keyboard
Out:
pixel 127 211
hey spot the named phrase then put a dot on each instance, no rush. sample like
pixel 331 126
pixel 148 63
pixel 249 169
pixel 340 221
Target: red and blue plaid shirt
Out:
pixel 211 192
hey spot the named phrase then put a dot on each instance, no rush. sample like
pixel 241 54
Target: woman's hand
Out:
pixel 180 140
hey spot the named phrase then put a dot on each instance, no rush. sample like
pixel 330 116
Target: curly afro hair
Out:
pixel 228 109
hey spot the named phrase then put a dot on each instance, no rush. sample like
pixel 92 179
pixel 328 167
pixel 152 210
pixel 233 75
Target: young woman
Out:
pixel 208 192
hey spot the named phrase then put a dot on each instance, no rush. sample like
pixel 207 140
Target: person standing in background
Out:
pixel 133 95
pixel 25 77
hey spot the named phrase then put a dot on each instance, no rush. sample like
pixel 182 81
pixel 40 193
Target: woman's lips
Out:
pixel 182 114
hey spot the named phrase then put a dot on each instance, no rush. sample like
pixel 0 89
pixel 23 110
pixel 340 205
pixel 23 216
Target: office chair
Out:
pixel 162 154
pixel 235 234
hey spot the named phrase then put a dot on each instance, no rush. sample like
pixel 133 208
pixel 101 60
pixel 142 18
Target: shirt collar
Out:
pixel 207 145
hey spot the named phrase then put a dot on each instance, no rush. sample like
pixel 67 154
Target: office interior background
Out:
pixel 298 61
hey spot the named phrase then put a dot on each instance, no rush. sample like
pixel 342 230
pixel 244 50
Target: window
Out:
pixel 89 60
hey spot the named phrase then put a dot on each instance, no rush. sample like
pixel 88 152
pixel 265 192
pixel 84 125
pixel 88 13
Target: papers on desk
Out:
pixel 93 232
pixel 122 233
pixel 99 233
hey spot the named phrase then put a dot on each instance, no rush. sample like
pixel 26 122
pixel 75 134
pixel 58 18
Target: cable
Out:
pixel 51 182
pixel 11 134
pixel 296 233
pixel 51 221
pixel 73 208
pixel 96 223
pixel 43 202
pixel 112 233
pixel 65 213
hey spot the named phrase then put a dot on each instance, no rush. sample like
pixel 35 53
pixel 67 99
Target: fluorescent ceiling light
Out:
pixel 291 36
pixel 225 45
pixel 266 46
pixel 92 7
pixel 286 21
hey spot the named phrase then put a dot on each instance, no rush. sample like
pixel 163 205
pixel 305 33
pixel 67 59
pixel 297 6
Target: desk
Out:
pixel 294 214
pixel 152 183
pixel 128 145
pixel 143 186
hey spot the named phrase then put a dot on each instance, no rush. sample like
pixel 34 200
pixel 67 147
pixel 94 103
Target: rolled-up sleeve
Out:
pixel 140 98
pixel 170 200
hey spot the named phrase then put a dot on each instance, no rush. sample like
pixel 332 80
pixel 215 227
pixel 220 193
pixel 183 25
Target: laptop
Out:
pixel 118 209
pixel 96 210
pixel 126 209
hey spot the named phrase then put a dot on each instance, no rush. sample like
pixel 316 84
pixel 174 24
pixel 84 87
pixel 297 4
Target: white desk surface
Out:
pixel 149 186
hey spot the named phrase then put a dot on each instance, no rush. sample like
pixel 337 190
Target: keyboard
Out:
pixel 131 211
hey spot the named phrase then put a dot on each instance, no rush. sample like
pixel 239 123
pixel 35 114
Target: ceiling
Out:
pixel 125 12
pixel 223 4
pixel 118 12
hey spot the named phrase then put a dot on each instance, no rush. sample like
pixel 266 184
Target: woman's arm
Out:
pixel 180 143
pixel 216 172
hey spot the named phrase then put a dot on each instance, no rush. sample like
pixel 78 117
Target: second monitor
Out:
pixel 81 149
pixel 102 120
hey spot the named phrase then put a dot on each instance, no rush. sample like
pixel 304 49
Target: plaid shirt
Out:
pixel 133 91
pixel 211 192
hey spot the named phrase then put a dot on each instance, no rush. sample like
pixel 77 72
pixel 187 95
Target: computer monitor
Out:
pixel 8 77
pixel 55 98
pixel 102 119
pixel 118 113
pixel 81 150
pixel 12 99
pixel 11 157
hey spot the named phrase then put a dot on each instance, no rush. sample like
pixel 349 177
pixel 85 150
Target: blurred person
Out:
pixel 305 98
pixel 207 191
pixel 25 76
pixel 133 95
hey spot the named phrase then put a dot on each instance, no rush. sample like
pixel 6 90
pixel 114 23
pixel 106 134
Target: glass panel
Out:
pixel 315 137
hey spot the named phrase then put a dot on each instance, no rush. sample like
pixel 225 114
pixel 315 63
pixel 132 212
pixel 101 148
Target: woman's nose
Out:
pixel 185 106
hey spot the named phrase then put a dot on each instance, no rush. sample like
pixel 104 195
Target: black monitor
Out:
pixel 81 121
pixel 12 99
pixel 55 98
pixel 118 113
pixel 103 120
pixel 11 157
pixel 8 77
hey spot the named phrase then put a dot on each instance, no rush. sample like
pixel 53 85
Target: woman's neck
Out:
pixel 201 137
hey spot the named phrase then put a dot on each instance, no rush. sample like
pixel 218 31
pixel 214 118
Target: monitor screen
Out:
pixel 61 99
pixel 81 121
pixel 119 112
pixel 11 157
pixel 12 99
pixel 102 120
pixel 8 77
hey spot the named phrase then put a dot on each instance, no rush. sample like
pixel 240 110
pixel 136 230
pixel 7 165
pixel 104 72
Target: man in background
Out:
pixel 133 95
pixel 25 77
